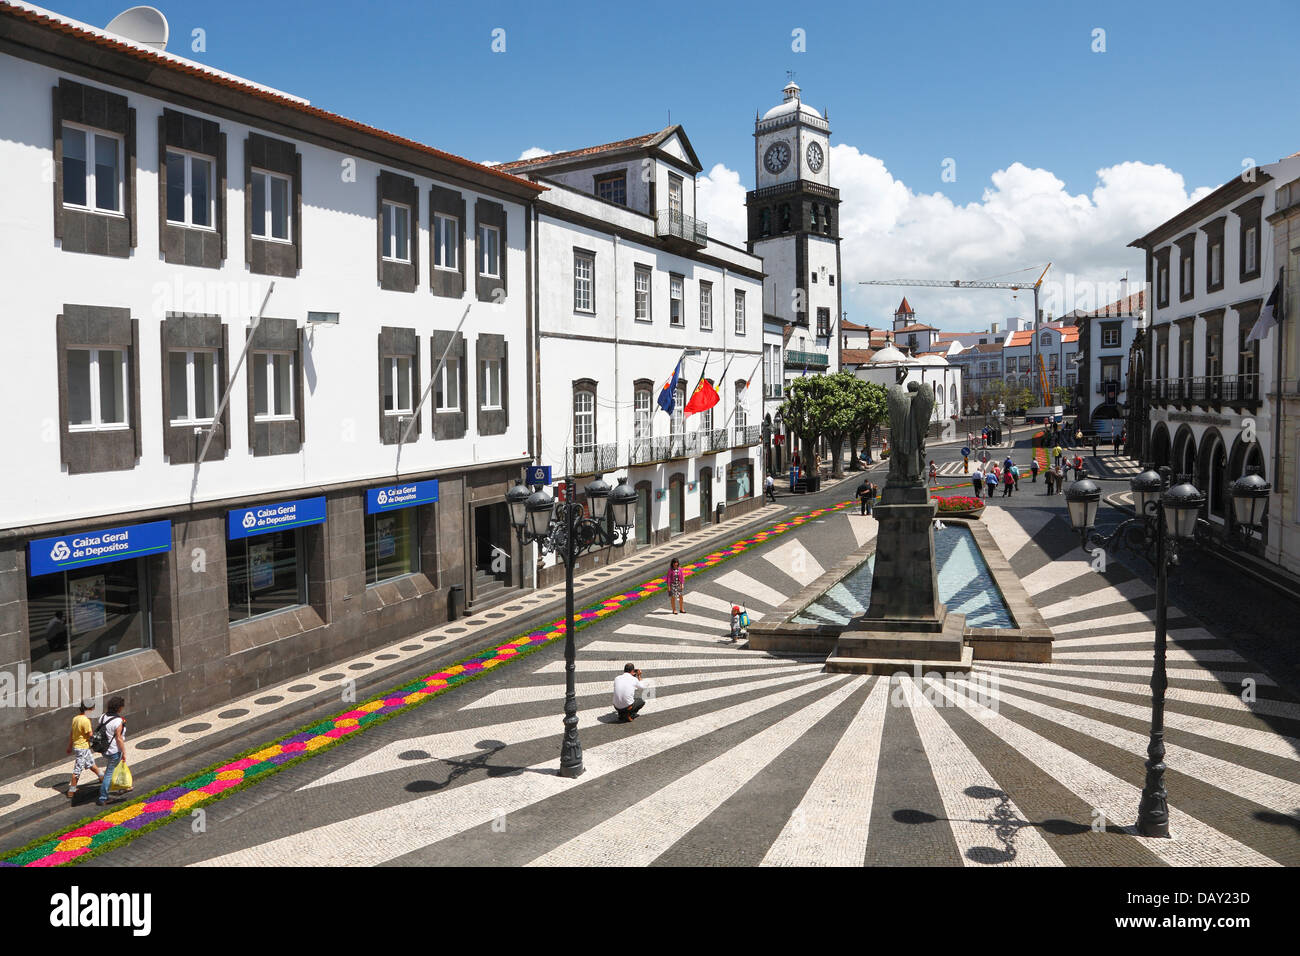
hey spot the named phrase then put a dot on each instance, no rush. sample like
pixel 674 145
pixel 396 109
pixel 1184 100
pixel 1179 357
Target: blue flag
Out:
pixel 668 395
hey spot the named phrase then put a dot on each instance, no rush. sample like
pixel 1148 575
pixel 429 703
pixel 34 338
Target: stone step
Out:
pixel 901 646
pixel 838 664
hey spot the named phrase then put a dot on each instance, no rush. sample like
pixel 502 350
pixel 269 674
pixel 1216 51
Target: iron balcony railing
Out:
pixel 590 459
pixel 745 435
pixel 1241 388
pixel 671 223
pixel 1206 389
pixel 1103 387
pixel 799 185
pixel 801 359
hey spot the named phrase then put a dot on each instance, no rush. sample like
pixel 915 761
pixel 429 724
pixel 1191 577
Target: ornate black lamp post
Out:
pixel 1166 519
pixel 564 527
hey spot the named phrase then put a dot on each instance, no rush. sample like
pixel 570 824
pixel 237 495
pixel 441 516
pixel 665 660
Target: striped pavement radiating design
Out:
pixel 741 757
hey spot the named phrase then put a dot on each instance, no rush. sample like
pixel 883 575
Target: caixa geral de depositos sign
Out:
pixel 393 497
pixel 81 549
pixel 276 516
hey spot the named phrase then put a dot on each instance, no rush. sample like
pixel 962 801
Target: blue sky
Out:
pixel 1193 86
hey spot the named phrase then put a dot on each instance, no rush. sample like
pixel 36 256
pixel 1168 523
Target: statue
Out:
pixel 909 422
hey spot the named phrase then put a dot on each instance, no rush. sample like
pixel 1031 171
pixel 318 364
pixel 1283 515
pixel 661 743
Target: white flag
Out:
pixel 1268 317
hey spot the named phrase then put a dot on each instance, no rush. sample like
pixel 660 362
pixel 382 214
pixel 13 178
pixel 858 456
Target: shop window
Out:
pixel 392 545
pixel 265 573
pixel 77 617
pixel 740 480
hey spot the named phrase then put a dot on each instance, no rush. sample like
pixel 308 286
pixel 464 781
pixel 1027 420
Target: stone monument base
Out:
pixel 867 648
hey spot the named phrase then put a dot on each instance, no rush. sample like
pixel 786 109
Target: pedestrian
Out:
pixel 977 479
pixel 1078 437
pixel 676 586
pixel 1096 440
pixel 872 491
pixel 1057 452
pixel 114 726
pixel 769 488
pixel 79 744
pixel 739 624
pixel 1048 477
pixel 1033 469
pixel 1060 478
pixel 1007 483
pixel 1015 475
pixel 626 685
pixel 1117 440
pixel 56 632
pixel 863 490
pixel 934 473
pixel 991 480
pixel 1078 467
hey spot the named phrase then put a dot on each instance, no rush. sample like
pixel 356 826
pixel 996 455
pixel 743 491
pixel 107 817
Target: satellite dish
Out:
pixel 145 25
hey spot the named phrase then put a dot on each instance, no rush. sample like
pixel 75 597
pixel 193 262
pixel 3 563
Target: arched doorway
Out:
pixel 1160 446
pixel 676 504
pixel 1184 457
pixel 643 525
pixel 1211 474
pixel 706 495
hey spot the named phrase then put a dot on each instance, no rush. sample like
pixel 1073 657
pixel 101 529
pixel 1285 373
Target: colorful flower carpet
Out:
pixel 121 825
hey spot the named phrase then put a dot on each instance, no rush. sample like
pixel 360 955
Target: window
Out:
pixel 706 306
pixel 740 312
pixel 584 420
pixel 641 293
pixel 446 242
pixel 1249 247
pixel 1216 264
pixel 193 386
pixel 1185 359
pixel 97 389
pixel 397 232
pixel 1186 266
pixel 679 412
pixel 584 271
pixel 446 386
pixel 190 197
pixel 1052 361
pixel 399 384
pixel 92 169
pixel 1024 363
pixel 831 278
pixel 1162 285
pixel 75 617
pixel 814 220
pixel 641 415
pixel 271 195
pixel 814 278
pixel 1070 379
pixel 765 222
pixel 265 573
pixel 824 322
pixel 675 296
pixel 675 197
pixel 1213 355
pixel 489 255
pixel 1045 338
pixel 392 545
pixel 272 384
pixel 1110 338
pixel 491 397
pixel 612 187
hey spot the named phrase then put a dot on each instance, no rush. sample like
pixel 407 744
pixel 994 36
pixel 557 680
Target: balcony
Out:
pixel 744 435
pixel 1102 387
pixel 675 227
pixel 1242 390
pixel 799 185
pixel 795 359
pixel 591 459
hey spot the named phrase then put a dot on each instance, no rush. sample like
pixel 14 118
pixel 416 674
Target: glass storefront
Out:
pixel 76 617
pixel 265 573
pixel 392 544
pixel 740 480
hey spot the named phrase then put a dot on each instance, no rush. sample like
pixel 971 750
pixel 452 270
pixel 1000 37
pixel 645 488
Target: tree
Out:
pixel 834 407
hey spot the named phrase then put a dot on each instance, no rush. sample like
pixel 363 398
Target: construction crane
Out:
pixel 986 284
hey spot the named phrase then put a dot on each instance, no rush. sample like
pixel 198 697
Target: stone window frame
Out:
pixel 740 314
pixel 265 256
pixel 706 285
pixel 587 386
pixel 192 332
pixel 89 326
pixel 1249 216
pixel 181 243
pixel 590 256
pixel 823 329
pixel 1213 326
pixel 1214 234
pixel 643 386
pixel 86 230
pixel 394 342
pixel 1107 328
pixel 278 436
pixel 489 213
pixel 1186 267
pixel 1247 316
pixel 395 275
pixel 449 283
pixel 681 300
pixel 449 424
pixel 490 347
pixel 1161 267
pixel 616 176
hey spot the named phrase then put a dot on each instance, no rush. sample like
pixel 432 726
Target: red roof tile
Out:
pixel 904 308
pixel 586 151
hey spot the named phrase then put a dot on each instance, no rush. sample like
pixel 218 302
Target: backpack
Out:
pixel 101 738
pixel 744 619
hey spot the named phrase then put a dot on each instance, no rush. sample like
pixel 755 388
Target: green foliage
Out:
pixel 832 406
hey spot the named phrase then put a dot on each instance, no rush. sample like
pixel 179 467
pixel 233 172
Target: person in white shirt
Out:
pixel 626 685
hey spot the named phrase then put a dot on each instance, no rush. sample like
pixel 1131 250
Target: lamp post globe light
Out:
pixel 564 528
pixel 1165 519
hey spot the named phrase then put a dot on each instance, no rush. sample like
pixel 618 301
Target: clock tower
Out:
pixel 793 223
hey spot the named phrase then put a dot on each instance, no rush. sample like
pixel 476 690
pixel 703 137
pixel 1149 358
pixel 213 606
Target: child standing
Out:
pixel 79 743
pixel 676 586
pixel 739 624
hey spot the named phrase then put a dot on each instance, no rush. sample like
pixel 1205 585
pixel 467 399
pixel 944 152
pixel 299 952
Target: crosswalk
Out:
pixel 746 758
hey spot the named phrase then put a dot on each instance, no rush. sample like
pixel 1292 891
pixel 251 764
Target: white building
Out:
pixel 1211 269
pixel 1283 344
pixel 1105 337
pixel 1058 346
pixel 628 284
pixel 149 204
pixel 793 225
pixel 933 370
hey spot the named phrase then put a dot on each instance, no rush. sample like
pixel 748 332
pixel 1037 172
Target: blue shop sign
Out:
pixel 394 497
pixel 81 549
pixel 537 475
pixel 280 516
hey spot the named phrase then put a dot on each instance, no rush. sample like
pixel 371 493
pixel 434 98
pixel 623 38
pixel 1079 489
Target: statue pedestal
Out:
pixel 905 622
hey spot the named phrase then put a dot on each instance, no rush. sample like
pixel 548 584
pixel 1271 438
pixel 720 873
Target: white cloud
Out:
pixel 532 152
pixel 1024 218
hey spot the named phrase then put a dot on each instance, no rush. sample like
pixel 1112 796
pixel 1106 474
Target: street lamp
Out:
pixel 1165 519
pixel 565 529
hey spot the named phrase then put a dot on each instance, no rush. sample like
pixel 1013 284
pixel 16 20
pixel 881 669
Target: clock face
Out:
pixel 777 157
pixel 815 157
